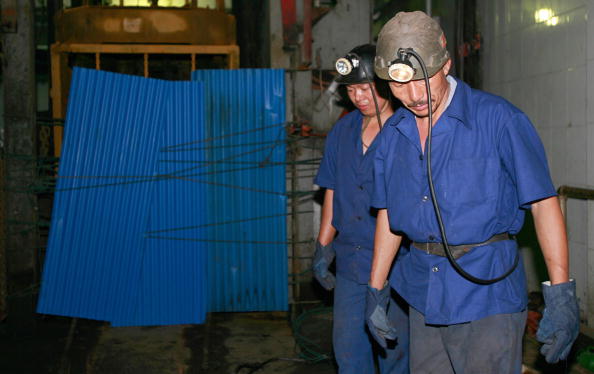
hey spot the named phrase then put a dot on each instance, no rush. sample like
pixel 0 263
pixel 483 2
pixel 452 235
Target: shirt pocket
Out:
pixel 472 181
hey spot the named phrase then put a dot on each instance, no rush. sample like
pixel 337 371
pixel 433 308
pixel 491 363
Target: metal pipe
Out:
pixel 428 7
pixel 307 36
pixel 295 268
pixel 566 192
pixel 576 192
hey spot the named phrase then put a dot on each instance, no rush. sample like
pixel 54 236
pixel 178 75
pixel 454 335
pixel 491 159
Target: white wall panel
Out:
pixel 577 221
pixel 576 95
pixel 346 26
pixel 577 142
pixel 578 262
pixel 574 43
pixel 553 82
pixel 544 102
pixel 557 156
pixel 590 162
pixel 559 98
pixel 589 300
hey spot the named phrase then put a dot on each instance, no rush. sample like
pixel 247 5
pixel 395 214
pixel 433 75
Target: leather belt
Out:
pixel 459 250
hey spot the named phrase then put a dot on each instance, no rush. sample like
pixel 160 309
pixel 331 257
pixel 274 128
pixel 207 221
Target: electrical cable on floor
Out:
pixel 64 367
pixel 254 367
pixel 309 350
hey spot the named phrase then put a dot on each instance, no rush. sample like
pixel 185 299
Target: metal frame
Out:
pixel 566 192
pixel 61 72
pixel 192 3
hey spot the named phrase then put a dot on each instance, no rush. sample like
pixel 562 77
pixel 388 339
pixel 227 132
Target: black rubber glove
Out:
pixel 323 257
pixel 376 315
pixel 560 323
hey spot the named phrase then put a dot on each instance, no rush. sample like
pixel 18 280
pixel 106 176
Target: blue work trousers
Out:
pixel 354 348
pixel 491 345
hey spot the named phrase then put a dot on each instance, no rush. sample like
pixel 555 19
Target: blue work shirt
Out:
pixel 488 165
pixel 349 172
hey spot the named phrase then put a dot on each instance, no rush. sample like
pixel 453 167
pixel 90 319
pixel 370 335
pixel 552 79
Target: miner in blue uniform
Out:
pixel 348 223
pixel 489 167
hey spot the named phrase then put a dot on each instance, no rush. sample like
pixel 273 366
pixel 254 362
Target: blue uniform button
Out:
pixel 421 157
pixel 358 247
pixel 431 237
pixel 358 218
pixel 361 188
pixel 425 198
pixel 435 269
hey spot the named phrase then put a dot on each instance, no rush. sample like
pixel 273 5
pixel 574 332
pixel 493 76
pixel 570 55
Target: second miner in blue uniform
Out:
pixel 346 172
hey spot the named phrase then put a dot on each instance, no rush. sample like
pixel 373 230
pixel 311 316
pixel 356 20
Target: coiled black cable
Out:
pixel 446 246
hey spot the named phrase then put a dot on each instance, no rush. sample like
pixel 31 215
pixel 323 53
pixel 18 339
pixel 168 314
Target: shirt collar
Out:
pixel 455 105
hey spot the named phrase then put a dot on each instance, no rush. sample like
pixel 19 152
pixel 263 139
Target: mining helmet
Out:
pixel 356 66
pixel 414 30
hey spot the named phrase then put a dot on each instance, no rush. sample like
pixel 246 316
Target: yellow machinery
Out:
pixel 145 32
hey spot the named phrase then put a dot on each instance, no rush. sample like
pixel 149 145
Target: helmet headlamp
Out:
pixel 401 69
pixel 345 65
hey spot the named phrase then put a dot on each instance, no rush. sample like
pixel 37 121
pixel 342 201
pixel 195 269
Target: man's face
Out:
pixel 413 94
pixel 361 96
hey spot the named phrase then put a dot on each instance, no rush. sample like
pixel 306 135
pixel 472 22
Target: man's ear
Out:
pixel 446 67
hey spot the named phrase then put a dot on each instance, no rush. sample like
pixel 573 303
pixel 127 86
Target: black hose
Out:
pixel 446 246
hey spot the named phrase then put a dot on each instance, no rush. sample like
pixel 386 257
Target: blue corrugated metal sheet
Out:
pixel 100 264
pixel 173 275
pixel 245 111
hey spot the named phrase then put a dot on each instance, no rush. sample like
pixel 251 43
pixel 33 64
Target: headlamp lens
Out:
pixel 343 66
pixel 401 72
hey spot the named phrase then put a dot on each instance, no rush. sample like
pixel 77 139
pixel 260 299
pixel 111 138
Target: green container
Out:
pixel 586 358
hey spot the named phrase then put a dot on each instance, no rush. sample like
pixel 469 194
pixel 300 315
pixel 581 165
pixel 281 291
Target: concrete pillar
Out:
pixel 3 286
pixel 20 142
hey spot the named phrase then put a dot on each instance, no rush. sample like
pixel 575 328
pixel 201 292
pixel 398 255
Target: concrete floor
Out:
pixel 238 343
pixel 233 343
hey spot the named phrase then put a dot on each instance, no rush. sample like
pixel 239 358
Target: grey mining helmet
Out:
pixel 357 66
pixel 410 30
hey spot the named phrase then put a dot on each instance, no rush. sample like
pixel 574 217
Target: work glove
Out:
pixel 323 257
pixel 376 315
pixel 560 323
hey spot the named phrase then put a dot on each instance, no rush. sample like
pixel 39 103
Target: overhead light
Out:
pixel 546 15
pixel 553 21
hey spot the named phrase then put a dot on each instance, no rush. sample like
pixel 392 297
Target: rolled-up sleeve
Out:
pixel 523 156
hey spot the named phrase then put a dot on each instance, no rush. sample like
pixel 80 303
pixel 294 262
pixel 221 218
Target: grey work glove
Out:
pixel 323 257
pixel 560 323
pixel 376 315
